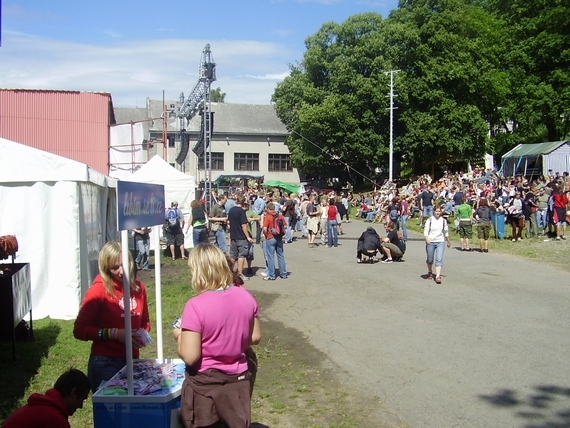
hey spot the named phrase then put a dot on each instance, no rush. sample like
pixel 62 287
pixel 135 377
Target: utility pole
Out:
pixel 391 108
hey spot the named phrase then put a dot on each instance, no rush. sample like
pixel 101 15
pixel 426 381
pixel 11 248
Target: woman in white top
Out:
pixel 436 232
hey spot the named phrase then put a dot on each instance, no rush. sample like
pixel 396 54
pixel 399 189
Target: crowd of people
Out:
pixel 216 344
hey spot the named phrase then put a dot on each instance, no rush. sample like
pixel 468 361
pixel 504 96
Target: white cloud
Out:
pixel 112 34
pixel 247 71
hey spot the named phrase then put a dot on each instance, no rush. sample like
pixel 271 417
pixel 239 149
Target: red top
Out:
pixel 99 310
pixel 331 215
pixel 560 200
pixel 42 411
pixel 268 223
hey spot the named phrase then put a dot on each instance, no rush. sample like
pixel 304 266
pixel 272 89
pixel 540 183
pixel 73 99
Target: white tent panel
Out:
pixel 58 210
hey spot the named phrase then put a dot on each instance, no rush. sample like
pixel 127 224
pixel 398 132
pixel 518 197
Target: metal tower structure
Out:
pixel 199 100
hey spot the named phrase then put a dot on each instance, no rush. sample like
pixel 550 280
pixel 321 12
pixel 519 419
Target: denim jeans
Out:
pixel 303 223
pixel 437 249
pixel 288 230
pixel 199 235
pixel 221 241
pixel 143 248
pixel 332 233
pixel 403 226
pixel 542 219
pixel 270 248
pixel 370 215
pixel 100 368
pixel 428 211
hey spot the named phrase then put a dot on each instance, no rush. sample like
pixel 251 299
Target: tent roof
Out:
pixel 24 164
pixel 177 185
pixel 526 150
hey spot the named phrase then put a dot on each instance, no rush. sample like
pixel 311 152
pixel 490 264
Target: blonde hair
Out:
pixel 108 255
pixel 209 268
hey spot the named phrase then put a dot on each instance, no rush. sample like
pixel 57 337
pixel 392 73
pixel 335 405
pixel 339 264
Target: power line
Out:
pixel 336 158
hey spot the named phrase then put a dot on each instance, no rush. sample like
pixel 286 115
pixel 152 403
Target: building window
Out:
pixel 280 163
pixel 246 162
pixel 171 141
pixel 217 161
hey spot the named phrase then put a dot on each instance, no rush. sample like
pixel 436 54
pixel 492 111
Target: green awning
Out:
pixel 290 188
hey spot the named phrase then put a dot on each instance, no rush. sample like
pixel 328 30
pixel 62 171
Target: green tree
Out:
pixel 537 59
pixel 334 102
pixel 451 81
pixel 217 96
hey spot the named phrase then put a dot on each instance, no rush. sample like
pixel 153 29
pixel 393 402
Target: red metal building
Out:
pixel 72 124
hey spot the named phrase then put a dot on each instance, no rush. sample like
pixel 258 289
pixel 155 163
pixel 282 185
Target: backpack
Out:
pixel 172 218
pixel 394 214
pixel 279 226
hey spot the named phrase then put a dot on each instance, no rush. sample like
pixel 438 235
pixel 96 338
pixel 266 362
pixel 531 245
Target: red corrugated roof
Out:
pixel 67 123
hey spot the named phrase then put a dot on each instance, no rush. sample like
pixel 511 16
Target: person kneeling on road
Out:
pixel 368 244
pixel 393 246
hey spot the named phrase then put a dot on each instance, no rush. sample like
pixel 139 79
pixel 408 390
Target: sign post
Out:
pixel 138 205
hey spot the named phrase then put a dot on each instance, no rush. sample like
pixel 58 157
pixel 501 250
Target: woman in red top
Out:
pixel 101 316
pixel 559 202
pixel 332 225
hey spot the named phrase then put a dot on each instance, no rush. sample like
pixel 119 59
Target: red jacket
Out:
pixel 99 310
pixel 42 411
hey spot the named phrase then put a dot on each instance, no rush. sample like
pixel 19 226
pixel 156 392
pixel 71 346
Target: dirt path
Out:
pixel 478 350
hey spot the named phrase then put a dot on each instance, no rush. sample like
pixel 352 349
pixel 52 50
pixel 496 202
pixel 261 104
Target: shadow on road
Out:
pixel 548 406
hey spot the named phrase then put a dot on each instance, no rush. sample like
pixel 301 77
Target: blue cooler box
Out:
pixel 157 409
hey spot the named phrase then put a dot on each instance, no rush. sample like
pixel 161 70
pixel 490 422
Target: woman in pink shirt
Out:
pixel 217 327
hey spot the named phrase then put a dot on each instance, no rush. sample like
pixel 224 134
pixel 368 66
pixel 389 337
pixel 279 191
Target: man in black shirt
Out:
pixel 426 203
pixel 393 246
pixel 240 240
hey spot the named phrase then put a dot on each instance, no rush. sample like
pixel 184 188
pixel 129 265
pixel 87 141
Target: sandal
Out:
pixel 438 279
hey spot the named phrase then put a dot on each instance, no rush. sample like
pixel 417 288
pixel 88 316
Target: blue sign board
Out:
pixel 139 205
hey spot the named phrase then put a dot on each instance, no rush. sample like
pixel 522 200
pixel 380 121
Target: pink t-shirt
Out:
pixel 224 318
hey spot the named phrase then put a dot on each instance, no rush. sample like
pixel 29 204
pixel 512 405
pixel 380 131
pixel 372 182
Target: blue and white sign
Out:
pixel 139 205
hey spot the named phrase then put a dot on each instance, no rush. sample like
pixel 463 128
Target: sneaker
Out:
pixel 430 275
pixel 268 278
pixel 558 238
pixel 513 240
pixel 264 274
pixel 520 239
pixel 563 237
pixel 387 261
pixel 438 279
pixel 284 277
pixel 244 278
pixel 145 269
pixel 358 260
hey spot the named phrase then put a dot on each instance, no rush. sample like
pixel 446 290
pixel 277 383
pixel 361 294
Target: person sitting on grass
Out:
pixel 393 246
pixel 53 409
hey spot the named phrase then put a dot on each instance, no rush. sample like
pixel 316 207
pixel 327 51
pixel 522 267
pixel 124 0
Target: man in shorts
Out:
pixel 240 239
pixel 174 234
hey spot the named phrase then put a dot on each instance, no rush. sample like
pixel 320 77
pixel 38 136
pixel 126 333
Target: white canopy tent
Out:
pixel 62 212
pixel 177 185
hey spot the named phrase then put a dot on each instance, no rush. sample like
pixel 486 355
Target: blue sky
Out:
pixel 137 49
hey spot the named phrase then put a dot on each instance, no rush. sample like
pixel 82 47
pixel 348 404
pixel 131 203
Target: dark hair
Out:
pixel 72 379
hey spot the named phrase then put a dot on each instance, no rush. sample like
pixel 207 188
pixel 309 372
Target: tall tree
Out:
pixel 537 59
pixel 334 102
pixel 451 82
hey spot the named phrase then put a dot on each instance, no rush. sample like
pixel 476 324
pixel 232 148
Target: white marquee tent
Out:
pixel 178 186
pixel 62 212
